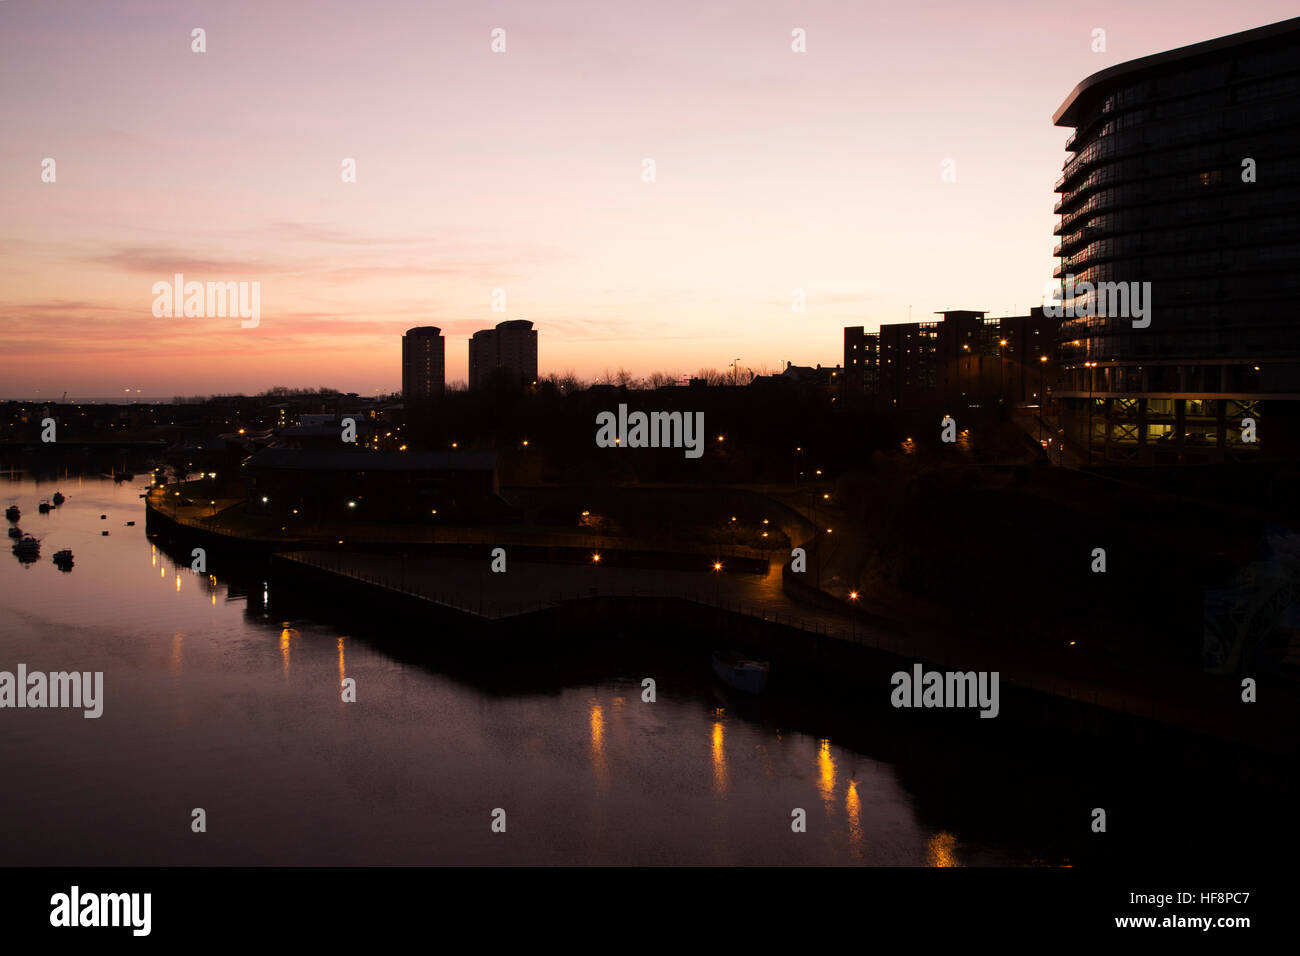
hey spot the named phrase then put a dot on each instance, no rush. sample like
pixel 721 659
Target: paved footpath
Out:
pixel 1193 701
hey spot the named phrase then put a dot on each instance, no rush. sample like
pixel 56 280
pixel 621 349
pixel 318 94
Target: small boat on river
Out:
pixel 740 672
pixel 27 548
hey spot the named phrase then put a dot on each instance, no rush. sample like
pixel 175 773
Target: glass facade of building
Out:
pixel 1181 192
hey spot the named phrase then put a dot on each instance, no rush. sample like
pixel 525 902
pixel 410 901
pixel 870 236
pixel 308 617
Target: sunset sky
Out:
pixel 523 171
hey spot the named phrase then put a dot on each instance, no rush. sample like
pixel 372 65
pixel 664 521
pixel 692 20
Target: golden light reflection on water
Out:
pixel 343 674
pixel 853 810
pixel 178 643
pixel 596 717
pixel 941 850
pixel 285 635
pixel 719 758
pixel 825 771
pixel 178 581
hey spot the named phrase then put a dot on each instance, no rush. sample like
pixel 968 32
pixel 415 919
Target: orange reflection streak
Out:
pixel 825 771
pixel 942 850
pixel 719 759
pixel 597 721
pixel 178 642
pixel 342 672
pixel 853 810
pixel 284 649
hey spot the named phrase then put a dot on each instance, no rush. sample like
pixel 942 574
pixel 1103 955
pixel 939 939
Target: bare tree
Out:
pixel 566 381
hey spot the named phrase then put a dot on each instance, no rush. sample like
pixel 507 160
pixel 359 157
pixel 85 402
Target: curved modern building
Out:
pixel 1180 254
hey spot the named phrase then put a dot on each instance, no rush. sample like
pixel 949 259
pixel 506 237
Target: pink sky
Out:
pixel 522 171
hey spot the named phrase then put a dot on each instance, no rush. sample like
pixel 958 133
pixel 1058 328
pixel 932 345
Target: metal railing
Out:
pixel 1144 707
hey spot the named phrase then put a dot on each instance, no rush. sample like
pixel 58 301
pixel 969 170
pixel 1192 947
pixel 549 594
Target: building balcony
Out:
pixel 1078 240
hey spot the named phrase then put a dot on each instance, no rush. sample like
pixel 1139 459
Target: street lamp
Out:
pixel 1042 397
pixel 1090 366
pixel 1002 371
pixel 817 558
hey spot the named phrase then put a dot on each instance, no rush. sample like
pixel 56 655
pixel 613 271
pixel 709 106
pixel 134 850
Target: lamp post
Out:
pixel 817 556
pixel 1090 366
pixel 1002 370
pixel 1042 397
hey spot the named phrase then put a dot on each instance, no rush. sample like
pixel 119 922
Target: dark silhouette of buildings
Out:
pixel 508 352
pixel 861 361
pixel 908 366
pixel 1009 360
pixel 822 376
pixel 1184 171
pixel 423 364
pixel 355 485
pixel 964 359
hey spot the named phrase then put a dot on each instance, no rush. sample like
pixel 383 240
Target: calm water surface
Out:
pixel 213 700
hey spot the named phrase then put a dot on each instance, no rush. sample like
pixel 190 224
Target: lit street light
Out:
pixel 1090 366
pixel 1042 397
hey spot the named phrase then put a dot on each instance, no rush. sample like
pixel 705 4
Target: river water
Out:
pixel 213 699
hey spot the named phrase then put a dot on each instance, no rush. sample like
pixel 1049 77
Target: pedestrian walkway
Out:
pixel 1195 702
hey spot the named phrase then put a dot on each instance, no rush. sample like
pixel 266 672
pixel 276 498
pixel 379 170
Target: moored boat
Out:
pixel 12 513
pixel 27 547
pixel 15 531
pixel 58 498
pixel 45 507
pixel 740 672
